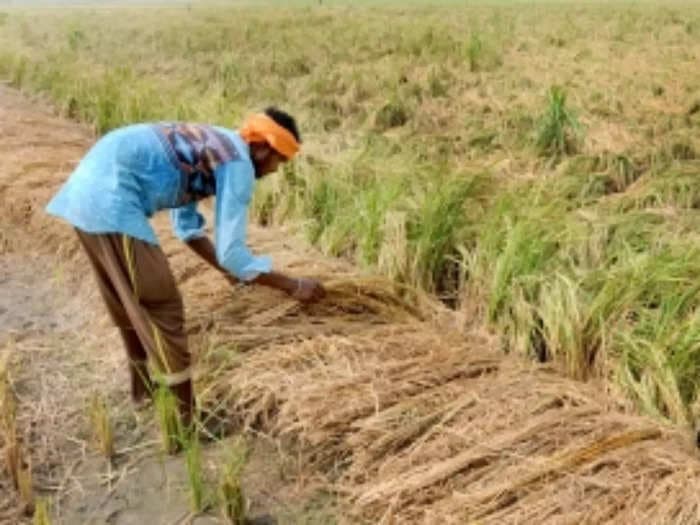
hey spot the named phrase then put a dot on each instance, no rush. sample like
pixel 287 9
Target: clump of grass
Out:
pixel 683 150
pixel 172 433
pixel 175 437
pixel 41 513
pixel 556 41
pixel 439 82
pixel 195 476
pixel 475 50
pixel 393 114
pixel 324 201
pixel 18 67
pixel 481 53
pixel 8 405
pixel 17 461
pixel 292 67
pixel 75 39
pixel 559 128
pixel 231 500
pixel 101 426
pixel 367 216
pixel 435 229
pixel 25 483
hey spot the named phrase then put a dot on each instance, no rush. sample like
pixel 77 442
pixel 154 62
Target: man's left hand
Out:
pixel 309 291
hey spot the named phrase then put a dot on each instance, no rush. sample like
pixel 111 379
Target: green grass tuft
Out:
pixel 559 128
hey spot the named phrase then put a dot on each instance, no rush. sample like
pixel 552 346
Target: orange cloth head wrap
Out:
pixel 261 128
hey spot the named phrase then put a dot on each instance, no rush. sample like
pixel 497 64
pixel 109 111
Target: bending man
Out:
pixel 135 171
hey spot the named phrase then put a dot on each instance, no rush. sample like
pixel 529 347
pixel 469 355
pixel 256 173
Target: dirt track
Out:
pixel 406 419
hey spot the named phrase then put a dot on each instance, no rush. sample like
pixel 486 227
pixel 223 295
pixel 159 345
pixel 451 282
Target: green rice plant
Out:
pixel 76 37
pixel 439 82
pixel 327 201
pixel 684 355
pixel 436 226
pixel 526 249
pixel 172 433
pixel 8 403
pixel 229 73
pixel 18 71
pixel 41 513
pixel 676 187
pixel 515 255
pixel 323 203
pixel 368 212
pixel 392 114
pixel 283 197
pixel 559 127
pixel 657 339
pixel 475 49
pixel 562 309
pixel 393 257
pixel 231 499
pixel 25 480
pixel 482 53
pixel 101 426
pixel 585 179
pixel 16 459
pixel 195 475
pixel 645 372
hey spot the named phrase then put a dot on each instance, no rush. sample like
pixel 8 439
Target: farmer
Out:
pixel 133 172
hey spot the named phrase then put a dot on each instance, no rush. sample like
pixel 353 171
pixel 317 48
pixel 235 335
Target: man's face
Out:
pixel 265 159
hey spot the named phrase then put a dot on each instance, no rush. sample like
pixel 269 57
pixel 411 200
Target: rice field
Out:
pixel 535 166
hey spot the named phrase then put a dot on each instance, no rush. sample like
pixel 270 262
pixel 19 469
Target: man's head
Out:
pixel 273 138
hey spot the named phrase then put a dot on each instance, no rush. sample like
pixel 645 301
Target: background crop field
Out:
pixel 535 164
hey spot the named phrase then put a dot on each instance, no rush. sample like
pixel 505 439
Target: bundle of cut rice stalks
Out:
pixel 413 423
pixel 413 426
pixel 256 318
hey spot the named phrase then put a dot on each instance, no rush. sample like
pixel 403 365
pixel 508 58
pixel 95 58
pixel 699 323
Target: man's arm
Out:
pixel 230 255
pixel 203 247
pixel 302 289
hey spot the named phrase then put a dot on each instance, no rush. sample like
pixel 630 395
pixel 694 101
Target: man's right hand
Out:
pixel 309 291
pixel 305 290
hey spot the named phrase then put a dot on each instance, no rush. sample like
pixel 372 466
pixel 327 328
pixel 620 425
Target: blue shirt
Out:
pixel 135 171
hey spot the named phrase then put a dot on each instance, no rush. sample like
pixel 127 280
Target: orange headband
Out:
pixel 261 128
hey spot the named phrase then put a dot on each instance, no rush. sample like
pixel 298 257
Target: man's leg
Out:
pixel 141 276
pixel 141 385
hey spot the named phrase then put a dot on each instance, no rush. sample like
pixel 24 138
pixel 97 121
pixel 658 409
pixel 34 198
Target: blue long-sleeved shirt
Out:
pixel 135 171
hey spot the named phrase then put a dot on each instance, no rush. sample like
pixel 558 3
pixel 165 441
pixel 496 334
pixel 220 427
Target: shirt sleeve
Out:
pixel 234 189
pixel 187 222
